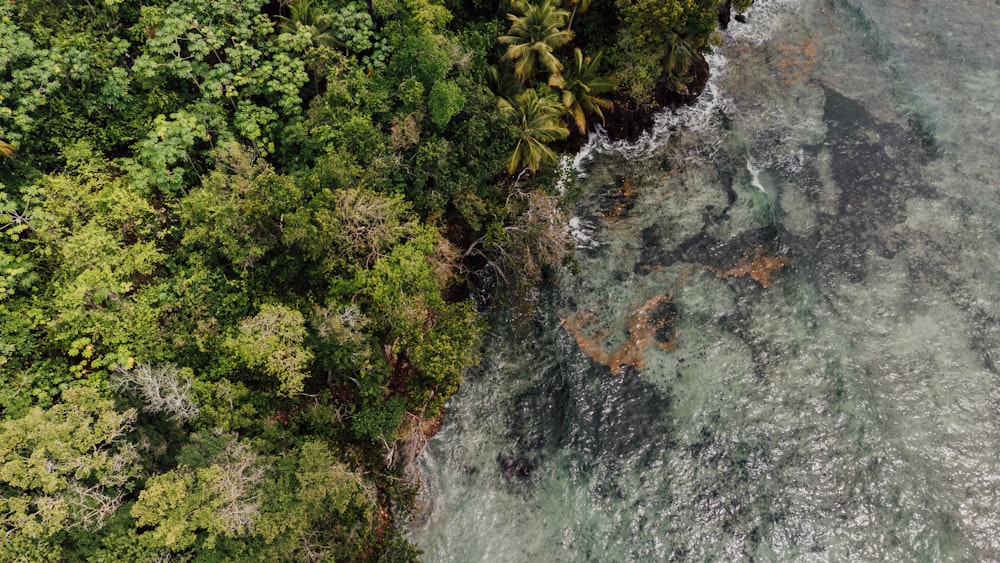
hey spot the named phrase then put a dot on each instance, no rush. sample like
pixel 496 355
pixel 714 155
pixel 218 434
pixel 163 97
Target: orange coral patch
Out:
pixel 642 328
pixel 761 267
pixel 624 198
pixel 796 60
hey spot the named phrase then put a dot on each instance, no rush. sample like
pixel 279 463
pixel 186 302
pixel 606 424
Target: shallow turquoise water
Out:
pixel 848 411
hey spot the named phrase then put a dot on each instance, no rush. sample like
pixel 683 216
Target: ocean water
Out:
pixel 782 341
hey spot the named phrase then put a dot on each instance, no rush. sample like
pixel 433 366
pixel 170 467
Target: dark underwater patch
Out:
pixel 700 248
pixel 591 414
pixel 877 167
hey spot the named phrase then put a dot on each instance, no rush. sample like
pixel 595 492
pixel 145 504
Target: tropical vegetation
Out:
pixel 239 241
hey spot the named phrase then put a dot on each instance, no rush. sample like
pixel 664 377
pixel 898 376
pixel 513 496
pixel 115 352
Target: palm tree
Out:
pixel 532 38
pixel 537 116
pixel 304 13
pixel 583 85
pixel 502 82
pixel 677 59
pixel 7 149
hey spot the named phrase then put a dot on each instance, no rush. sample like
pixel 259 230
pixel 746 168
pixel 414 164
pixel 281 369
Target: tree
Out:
pixel 349 229
pixel 64 467
pixel 503 83
pixel 444 101
pixel 237 211
pixel 677 58
pixel 304 14
pixel 535 237
pixel 164 388
pixel 684 26
pixel 400 286
pixel 441 351
pixel 271 341
pixel 223 63
pixel 537 120
pixel 314 508
pixel 97 239
pixel 533 37
pixel 580 95
pixel 28 78
pixel 302 505
pixel 222 499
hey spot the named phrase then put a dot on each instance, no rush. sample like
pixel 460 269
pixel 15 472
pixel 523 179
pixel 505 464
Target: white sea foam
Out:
pixel 704 115
pixel 567 167
pixel 755 175
pixel 764 18
pixel 583 233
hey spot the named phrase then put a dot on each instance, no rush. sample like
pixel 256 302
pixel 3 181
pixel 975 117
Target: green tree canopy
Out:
pixel 582 92
pixel 534 36
pixel 64 467
pixel 537 120
pixel 272 341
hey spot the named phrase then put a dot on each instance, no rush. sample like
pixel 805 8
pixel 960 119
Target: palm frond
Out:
pixel 534 36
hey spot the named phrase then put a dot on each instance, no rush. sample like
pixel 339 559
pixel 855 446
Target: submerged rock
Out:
pixel 516 467
pixel 701 248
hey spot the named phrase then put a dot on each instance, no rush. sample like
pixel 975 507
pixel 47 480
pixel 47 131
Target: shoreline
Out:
pixel 630 118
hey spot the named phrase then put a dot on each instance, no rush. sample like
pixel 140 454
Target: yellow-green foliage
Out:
pixel 271 341
pixel 64 467
pixel 222 499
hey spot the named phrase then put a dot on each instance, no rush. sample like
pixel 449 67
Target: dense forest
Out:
pixel 239 240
